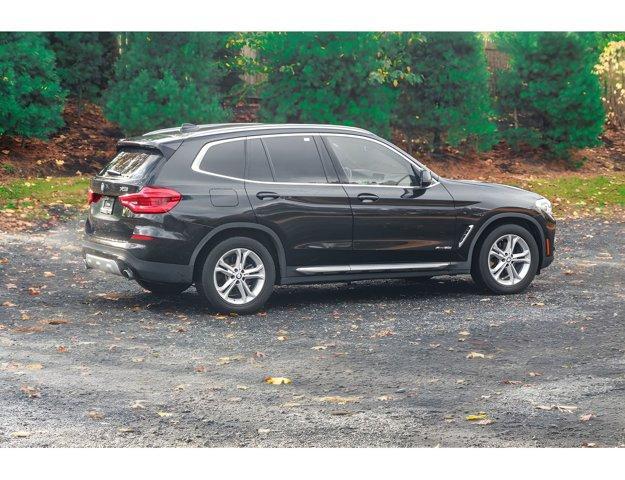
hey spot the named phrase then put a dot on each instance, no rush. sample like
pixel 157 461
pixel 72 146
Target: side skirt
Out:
pixel 453 269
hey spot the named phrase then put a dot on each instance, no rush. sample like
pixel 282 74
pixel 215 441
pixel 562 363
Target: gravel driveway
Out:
pixel 92 360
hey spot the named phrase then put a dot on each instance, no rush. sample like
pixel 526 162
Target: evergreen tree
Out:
pixel 84 61
pixel 550 96
pixel 451 103
pixel 324 78
pixel 31 98
pixel 166 79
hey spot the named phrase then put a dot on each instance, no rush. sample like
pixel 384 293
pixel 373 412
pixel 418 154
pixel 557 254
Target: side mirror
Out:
pixel 426 178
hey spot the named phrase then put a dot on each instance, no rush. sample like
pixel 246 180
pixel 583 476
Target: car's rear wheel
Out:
pixel 163 289
pixel 238 275
pixel 507 261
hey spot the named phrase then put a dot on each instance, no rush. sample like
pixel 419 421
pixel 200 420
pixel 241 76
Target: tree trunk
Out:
pixel 437 142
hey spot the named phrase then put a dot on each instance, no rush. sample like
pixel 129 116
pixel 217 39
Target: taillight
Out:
pixel 93 197
pixel 151 200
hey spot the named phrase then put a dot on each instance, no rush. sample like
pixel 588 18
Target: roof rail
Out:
pixel 188 127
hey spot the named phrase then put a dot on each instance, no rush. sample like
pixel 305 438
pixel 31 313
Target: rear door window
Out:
pixel 131 163
pixel 227 158
pixel 295 159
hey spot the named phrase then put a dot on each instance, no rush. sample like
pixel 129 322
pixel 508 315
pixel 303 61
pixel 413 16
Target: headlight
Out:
pixel 544 205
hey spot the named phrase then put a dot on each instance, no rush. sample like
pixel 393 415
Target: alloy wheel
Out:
pixel 239 276
pixel 509 259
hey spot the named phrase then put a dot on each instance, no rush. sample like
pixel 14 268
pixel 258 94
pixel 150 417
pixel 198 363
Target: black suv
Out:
pixel 237 208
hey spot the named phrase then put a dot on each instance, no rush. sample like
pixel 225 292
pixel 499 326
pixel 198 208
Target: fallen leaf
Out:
pixel 476 416
pixel 535 374
pixel 138 405
pixel 58 321
pixel 8 304
pixel 587 417
pixel 125 429
pixel 242 387
pixel 486 421
pixel 263 431
pixel 281 338
pixel 538 304
pixel 384 398
pixel 259 355
pixel 589 445
pixel 95 415
pixel 277 380
pixel 34 366
pixel 235 399
pixel 33 291
pixel 20 434
pixel 227 360
pixel 200 368
pixel 464 333
pixel 339 400
pixel 48 274
pixel 31 392
pixel 62 349
pixel 165 414
pixel 319 347
pixel 435 345
pixel 559 408
pixel 383 333
pixel 476 355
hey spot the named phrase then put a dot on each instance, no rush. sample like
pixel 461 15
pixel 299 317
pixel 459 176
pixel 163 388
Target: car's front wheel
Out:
pixel 238 275
pixel 507 261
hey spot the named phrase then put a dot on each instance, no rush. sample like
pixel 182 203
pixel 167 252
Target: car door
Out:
pixel 295 191
pixel 396 219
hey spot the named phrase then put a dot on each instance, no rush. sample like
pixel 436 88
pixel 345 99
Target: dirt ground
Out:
pixel 93 360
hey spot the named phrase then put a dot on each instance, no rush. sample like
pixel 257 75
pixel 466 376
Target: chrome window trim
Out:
pixel 195 166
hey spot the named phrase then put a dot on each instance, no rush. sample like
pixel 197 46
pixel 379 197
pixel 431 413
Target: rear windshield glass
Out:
pixel 131 163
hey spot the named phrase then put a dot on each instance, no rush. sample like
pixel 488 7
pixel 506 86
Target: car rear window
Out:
pixel 131 163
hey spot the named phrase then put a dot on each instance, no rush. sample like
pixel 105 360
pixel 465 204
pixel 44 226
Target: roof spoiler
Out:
pixel 167 150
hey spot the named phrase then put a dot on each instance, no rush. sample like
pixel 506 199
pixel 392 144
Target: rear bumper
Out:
pixel 120 261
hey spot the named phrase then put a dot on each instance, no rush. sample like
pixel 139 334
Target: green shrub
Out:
pixel 84 61
pixel 31 98
pixel 166 79
pixel 551 88
pixel 324 78
pixel 451 103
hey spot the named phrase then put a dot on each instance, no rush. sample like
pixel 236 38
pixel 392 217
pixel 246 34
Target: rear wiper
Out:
pixel 114 173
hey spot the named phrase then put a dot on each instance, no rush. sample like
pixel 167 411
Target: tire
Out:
pixel 524 265
pixel 163 289
pixel 213 276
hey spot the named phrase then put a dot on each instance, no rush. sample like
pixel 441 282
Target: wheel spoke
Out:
pixel 248 291
pixel 242 292
pixel 222 263
pixel 498 269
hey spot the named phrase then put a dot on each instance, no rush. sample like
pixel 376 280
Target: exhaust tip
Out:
pixel 127 273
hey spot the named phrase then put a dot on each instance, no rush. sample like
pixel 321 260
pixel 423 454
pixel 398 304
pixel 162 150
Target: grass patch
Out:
pixel 582 195
pixel 30 197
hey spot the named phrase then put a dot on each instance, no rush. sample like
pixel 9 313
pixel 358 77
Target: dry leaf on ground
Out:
pixel 476 416
pixel 339 400
pixel 277 380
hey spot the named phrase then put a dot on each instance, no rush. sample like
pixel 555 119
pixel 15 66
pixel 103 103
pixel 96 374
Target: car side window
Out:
pixel 227 158
pixel 295 158
pixel 365 162
pixel 257 162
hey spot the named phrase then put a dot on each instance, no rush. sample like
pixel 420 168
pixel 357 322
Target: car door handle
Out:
pixel 368 197
pixel 267 195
